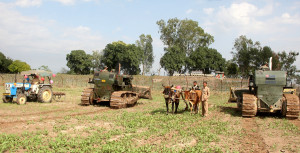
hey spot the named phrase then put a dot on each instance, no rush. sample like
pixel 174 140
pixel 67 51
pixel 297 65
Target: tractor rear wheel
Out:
pixel 45 94
pixel 21 99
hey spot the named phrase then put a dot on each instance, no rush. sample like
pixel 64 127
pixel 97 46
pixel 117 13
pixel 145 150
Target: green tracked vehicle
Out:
pixel 114 88
pixel 267 92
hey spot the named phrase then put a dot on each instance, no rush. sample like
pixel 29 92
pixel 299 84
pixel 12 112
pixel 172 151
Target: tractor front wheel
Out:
pixel 6 99
pixel 21 99
pixel 45 94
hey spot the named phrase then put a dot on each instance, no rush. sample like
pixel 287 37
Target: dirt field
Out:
pixel 68 127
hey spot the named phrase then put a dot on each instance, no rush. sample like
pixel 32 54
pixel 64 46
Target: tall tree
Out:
pixel 232 68
pixel 287 60
pixel 44 67
pixel 128 55
pixel 249 55
pixel 97 57
pixel 18 66
pixel 184 34
pixel 4 63
pixel 79 62
pixel 244 54
pixel 206 59
pixel 147 58
pixel 173 60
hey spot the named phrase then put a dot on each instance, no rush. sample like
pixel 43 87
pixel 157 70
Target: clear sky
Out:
pixel 42 32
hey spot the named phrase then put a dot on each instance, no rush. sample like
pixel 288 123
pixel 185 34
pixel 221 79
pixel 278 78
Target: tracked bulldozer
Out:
pixel 114 88
pixel 267 92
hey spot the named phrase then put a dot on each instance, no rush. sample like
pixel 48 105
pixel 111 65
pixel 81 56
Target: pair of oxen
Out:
pixel 190 97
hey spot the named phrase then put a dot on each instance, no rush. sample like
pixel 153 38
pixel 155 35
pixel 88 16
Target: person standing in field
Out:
pixel 195 86
pixel 205 96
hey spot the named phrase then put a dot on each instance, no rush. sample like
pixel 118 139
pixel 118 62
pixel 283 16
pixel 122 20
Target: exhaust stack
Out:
pixel 270 63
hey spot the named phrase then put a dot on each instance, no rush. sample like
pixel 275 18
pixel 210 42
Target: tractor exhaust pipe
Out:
pixel 119 68
pixel 270 63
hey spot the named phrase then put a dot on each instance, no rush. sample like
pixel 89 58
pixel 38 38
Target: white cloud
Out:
pixel 40 42
pixel 66 2
pixel 208 11
pixel 241 17
pixel 189 11
pixel 72 2
pixel 288 19
pixel 262 23
pixel 27 3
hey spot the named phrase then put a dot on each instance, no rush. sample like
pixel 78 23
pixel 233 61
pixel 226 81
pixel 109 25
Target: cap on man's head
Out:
pixel 195 81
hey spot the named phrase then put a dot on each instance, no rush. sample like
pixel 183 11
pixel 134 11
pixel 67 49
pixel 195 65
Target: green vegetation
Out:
pixel 143 128
pixel 287 60
pixel 18 66
pixel 128 55
pixel 67 127
pixel 147 58
pixel 250 55
pixel 4 63
pixel 186 41
pixel 45 68
pixel 79 62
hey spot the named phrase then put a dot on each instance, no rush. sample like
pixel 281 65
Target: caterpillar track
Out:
pixel 86 97
pixel 123 99
pixel 249 105
pixel 290 107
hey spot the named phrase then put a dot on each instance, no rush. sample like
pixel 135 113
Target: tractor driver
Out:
pixel 35 80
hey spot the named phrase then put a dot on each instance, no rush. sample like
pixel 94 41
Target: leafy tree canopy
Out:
pixel 18 66
pixel 206 59
pixel 97 57
pixel 128 55
pixel 186 34
pixel 183 37
pixel 79 62
pixel 145 46
pixel 232 68
pixel 173 60
pixel 249 55
pixel 4 63
pixel 287 60
pixel 44 67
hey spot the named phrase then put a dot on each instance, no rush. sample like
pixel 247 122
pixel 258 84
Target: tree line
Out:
pixel 187 48
pixel 132 57
pixel 8 65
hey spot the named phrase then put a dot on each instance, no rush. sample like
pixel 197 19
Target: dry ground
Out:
pixel 69 127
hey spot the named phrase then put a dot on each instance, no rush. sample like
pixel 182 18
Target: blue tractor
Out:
pixel 33 87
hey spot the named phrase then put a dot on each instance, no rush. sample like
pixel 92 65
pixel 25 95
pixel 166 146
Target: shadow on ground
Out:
pixel 233 111
pixel 164 111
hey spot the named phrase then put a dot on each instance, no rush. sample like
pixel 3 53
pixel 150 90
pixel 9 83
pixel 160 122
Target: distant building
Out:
pixel 197 73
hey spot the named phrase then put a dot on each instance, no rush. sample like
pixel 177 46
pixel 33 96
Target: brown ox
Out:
pixel 194 98
pixel 173 96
